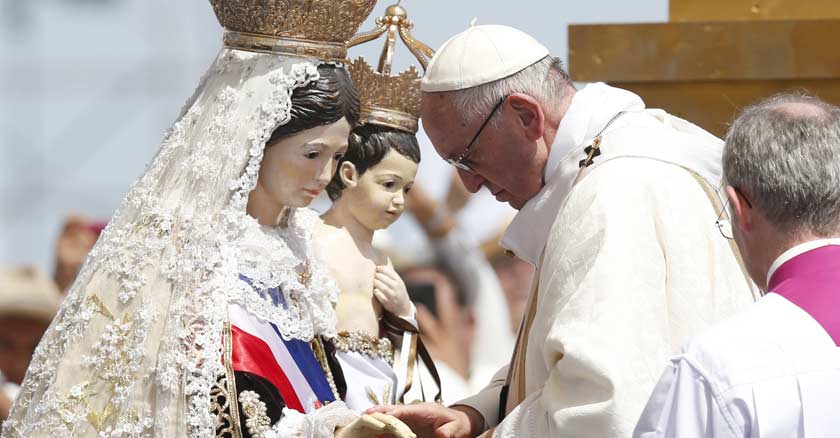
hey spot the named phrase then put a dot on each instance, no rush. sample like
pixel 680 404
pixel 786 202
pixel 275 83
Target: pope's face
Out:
pixel 378 199
pixel 296 169
pixel 503 159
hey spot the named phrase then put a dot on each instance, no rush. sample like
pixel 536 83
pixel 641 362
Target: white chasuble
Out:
pixel 632 266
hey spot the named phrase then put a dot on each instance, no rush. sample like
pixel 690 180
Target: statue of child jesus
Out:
pixel 368 193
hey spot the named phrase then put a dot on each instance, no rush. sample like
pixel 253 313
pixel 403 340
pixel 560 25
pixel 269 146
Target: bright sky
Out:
pixel 88 87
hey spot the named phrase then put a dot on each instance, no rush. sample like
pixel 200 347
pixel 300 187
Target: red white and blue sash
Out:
pixel 290 365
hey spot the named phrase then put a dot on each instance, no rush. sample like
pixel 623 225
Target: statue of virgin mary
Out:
pixel 202 309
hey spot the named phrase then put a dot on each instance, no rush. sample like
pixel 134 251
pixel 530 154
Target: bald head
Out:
pixel 801 109
pixel 784 152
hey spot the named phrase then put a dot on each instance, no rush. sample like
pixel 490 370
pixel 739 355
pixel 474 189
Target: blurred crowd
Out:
pixel 470 295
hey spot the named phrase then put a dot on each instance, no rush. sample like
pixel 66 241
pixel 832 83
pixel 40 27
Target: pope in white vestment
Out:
pixel 629 266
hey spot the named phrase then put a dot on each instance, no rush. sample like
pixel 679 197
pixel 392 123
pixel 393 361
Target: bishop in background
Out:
pixel 617 210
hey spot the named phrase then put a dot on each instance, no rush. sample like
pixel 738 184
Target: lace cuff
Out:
pixel 318 424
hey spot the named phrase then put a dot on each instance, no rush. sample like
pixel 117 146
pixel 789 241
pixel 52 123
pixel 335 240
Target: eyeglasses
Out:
pixel 460 161
pixel 725 225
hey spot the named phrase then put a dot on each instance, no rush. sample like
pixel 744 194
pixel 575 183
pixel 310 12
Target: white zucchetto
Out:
pixel 479 55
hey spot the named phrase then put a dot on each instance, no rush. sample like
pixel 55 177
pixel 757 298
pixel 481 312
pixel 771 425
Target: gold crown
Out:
pixel 392 101
pixel 387 100
pixel 317 28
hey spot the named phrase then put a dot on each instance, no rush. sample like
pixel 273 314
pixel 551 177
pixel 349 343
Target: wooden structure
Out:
pixel 715 56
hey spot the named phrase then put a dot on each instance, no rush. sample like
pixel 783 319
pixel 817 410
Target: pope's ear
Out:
pixel 529 114
pixel 348 174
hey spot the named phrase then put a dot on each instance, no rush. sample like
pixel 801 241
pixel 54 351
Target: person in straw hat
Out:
pixel 617 205
pixel 28 302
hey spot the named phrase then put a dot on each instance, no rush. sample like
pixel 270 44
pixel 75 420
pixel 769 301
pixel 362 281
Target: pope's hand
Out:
pixel 390 290
pixel 431 420
pixel 487 433
pixel 375 425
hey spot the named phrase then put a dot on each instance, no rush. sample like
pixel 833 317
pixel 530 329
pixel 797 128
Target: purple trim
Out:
pixel 811 280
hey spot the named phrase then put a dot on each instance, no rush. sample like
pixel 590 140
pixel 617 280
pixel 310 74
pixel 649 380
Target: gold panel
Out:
pixel 782 49
pixel 714 104
pixel 722 10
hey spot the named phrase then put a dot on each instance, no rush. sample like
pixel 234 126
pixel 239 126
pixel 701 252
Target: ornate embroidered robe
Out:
pixel 630 265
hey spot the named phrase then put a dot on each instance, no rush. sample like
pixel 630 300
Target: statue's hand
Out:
pixel 391 292
pixel 375 425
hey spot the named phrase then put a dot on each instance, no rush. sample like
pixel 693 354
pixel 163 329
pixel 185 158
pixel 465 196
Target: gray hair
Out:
pixel 785 153
pixel 545 80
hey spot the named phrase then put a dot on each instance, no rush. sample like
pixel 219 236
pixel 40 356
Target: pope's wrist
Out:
pixel 475 419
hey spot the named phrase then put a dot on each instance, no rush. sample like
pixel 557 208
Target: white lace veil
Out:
pixel 135 348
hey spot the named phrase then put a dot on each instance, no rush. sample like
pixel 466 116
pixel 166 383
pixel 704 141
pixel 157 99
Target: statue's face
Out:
pixel 378 199
pixel 296 169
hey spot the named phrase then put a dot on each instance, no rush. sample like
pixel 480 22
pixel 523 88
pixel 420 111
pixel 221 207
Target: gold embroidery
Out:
pixel 716 205
pixel 256 413
pixel 285 217
pixel 321 357
pixel 220 406
pixel 365 344
pixel 390 100
pixel 227 384
pixel 98 419
pixel 376 400
pixel 113 361
pixel 314 20
pixel 99 306
pixel 305 275
pixel 516 371
pixel 78 400
pixel 336 52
